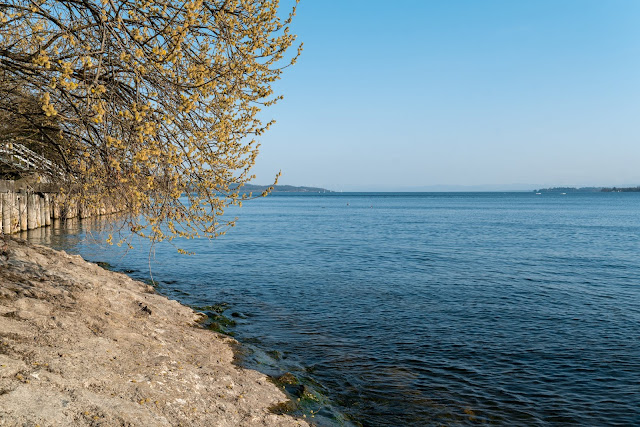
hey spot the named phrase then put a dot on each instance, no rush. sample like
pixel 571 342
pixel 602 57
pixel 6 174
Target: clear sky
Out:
pixel 417 93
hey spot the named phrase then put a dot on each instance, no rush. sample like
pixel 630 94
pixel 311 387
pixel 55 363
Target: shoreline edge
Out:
pixel 81 345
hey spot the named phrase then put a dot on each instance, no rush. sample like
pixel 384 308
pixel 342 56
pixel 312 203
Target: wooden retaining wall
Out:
pixel 28 207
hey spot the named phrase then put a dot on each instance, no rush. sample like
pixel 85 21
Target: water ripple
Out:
pixel 433 309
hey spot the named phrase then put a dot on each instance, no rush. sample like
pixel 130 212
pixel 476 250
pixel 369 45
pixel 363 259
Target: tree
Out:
pixel 24 124
pixel 154 103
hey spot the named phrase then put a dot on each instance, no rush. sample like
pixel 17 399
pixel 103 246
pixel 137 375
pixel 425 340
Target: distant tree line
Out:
pixel 621 190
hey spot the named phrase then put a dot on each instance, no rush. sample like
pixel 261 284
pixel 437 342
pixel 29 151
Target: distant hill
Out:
pixel 253 188
pixel 569 190
pixel 589 190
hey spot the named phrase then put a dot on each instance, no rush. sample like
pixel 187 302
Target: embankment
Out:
pixel 80 345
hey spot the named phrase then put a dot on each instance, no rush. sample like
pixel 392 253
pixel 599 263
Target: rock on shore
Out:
pixel 80 345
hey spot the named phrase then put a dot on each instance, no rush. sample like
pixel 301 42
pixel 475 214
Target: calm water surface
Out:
pixel 423 309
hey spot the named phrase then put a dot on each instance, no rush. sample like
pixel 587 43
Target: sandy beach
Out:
pixel 80 345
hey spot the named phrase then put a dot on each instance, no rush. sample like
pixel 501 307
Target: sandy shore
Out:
pixel 80 345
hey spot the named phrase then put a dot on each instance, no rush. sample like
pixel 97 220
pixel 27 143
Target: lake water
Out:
pixel 424 309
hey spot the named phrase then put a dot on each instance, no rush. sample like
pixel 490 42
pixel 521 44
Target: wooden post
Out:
pixel 22 207
pixel 55 206
pixel 36 209
pixel 84 211
pixel 65 208
pixel 43 211
pixel 72 209
pixel 31 211
pixel 15 213
pixel 47 209
pixel 7 202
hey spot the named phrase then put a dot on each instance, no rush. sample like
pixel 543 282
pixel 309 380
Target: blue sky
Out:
pixel 419 93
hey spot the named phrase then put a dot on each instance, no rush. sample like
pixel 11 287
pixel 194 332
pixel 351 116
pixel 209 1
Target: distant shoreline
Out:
pixel 283 189
pixel 589 190
pixel 253 188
